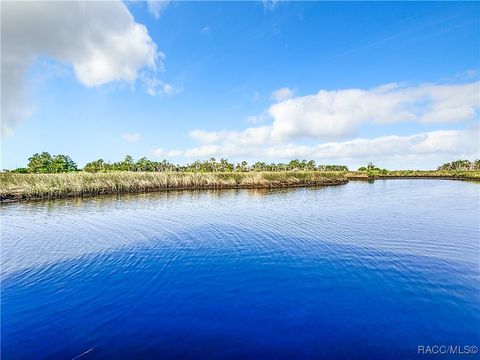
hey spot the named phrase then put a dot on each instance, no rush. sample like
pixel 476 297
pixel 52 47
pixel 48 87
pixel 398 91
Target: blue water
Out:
pixel 360 271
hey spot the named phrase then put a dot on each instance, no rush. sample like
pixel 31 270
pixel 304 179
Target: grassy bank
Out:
pixel 15 187
pixel 399 174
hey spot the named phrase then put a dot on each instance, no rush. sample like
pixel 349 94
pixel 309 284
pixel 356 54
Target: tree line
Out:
pixel 46 163
pixel 211 165
pixel 464 165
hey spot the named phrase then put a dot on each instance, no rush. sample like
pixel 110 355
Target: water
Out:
pixel 349 272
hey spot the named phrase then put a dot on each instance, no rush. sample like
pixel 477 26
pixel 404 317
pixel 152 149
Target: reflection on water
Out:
pixel 355 271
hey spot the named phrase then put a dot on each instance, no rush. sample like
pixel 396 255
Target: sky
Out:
pixel 396 84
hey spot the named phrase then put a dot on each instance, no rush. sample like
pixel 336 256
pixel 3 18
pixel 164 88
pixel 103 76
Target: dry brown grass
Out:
pixel 14 187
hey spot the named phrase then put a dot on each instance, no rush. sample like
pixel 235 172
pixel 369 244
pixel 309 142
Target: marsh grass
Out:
pixel 441 174
pixel 460 174
pixel 15 187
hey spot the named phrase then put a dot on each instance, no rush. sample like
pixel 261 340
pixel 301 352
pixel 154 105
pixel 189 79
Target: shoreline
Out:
pixel 34 187
pixel 414 174
pixel 149 191
pixel 412 177
pixel 37 187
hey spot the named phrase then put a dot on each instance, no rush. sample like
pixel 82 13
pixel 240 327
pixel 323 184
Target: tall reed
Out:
pixel 43 186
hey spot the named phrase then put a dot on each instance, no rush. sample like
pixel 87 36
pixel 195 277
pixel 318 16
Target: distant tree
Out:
pixel 21 170
pixel 128 164
pixel 463 165
pixel 62 163
pixel 362 168
pixel 224 165
pixel 259 166
pixel 39 163
pixel 310 165
pixel 144 164
pixel 294 165
pixel 46 163
pixel 96 166
pixel 242 166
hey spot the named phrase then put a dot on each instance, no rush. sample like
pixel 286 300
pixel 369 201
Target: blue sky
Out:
pixel 344 83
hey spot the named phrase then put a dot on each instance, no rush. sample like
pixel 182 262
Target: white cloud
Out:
pixel 252 119
pixel 167 154
pixel 131 137
pixel 282 94
pixel 334 115
pixel 157 7
pixel 156 87
pixel 270 4
pixel 249 137
pixel 100 40
pixel 338 113
pixel 256 119
pixel 434 142
pixel 428 149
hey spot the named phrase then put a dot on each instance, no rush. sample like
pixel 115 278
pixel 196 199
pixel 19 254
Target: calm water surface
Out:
pixel 349 272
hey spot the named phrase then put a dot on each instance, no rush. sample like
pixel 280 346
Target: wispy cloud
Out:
pixel 282 94
pixel 157 7
pixel 155 87
pixel 167 154
pixel 131 137
pixel 256 119
pixel 270 4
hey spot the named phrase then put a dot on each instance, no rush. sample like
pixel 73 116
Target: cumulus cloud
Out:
pixel 330 116
pixel 333 115
pixel 339 113
pixel 157 7
pixel 439 146
pixel 131 137
pixel 100 40
pixel 282 94
pixel 434 142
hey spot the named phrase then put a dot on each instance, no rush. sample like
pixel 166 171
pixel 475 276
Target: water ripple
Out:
pixel 295 273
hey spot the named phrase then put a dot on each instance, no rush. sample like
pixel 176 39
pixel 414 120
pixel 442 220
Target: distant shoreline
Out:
pixel 396 175
pixel 29 187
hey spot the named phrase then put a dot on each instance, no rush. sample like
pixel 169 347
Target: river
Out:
pixel 363 270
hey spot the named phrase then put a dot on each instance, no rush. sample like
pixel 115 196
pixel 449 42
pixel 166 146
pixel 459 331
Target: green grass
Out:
pixel 462 174
pixel 14 187
pixel 457 174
